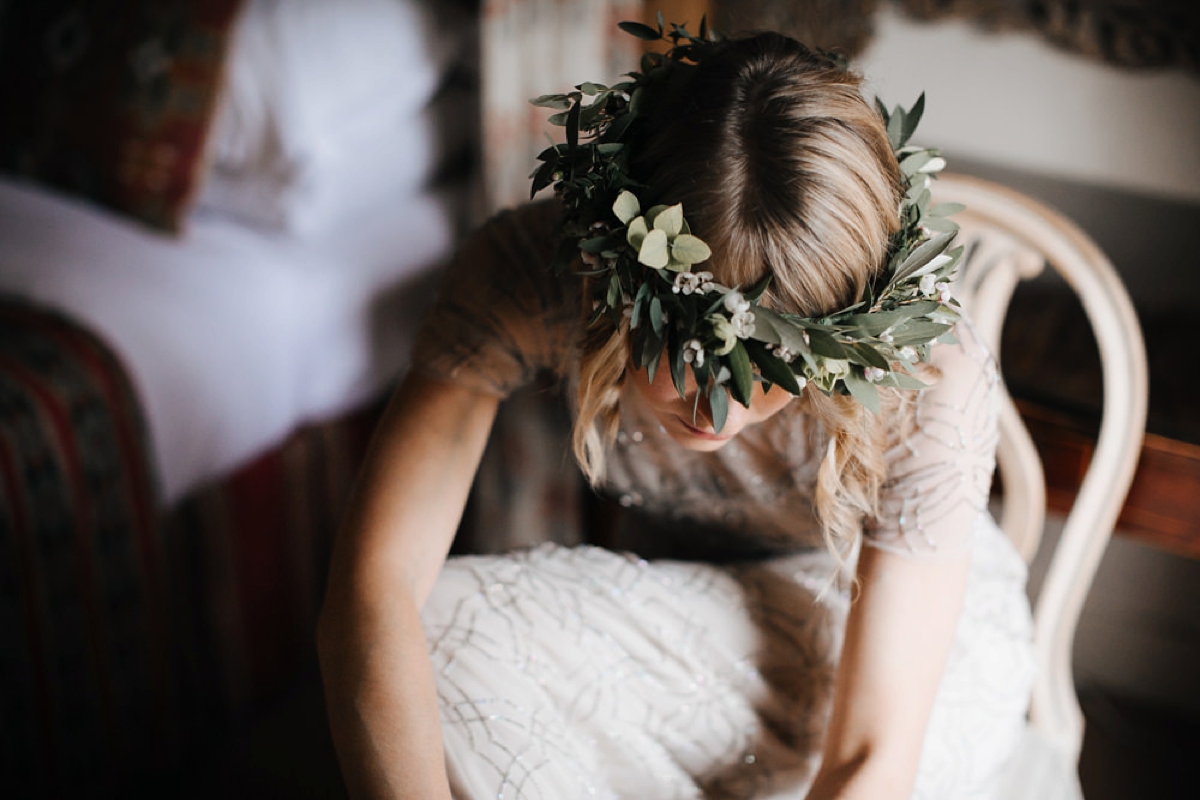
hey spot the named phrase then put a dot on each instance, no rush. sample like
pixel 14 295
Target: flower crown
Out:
pixel 644 263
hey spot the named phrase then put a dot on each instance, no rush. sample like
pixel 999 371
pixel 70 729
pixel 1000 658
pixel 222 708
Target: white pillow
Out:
pixel 326 109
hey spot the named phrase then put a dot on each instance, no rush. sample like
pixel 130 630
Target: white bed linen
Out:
pixel 232 336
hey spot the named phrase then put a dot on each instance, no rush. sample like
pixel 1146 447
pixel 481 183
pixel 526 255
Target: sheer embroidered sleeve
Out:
pixel 502 315
pixel 941 460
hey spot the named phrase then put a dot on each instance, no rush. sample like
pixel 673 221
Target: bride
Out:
pixel 745 291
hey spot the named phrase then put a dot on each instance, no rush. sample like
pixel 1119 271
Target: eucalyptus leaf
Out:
pixel 636 233
pixel 756 291
pixel 922 256
pixel 689 249
pixel 653 251
pixel 743 374
pixel 718 402
pixel 773 369
pixel 626 207
pixel 912 164
pixel 902 381
pixel 669 219
pixel 912 118
pixel 940 224
pixel 679 371
pixel 825 345
pixel 786 333
pixel 652 365
pixel 869 356
pixel 639 305
pixel 946 209
pixel 764 326
pixel 597 244
pixel 876 323
pixel 640 30
pixel 919 331
pixel 895 128
pixel 559 102
pixel 863 391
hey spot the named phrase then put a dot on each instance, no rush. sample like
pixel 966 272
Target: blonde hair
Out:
pixel 784 168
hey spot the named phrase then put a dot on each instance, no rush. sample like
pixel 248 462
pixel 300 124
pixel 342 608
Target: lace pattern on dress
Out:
pixel 940 465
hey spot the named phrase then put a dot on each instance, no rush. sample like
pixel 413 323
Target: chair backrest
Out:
pixel 1010 238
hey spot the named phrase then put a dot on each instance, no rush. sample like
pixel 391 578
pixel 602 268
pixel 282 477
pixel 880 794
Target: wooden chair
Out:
pixel 1011 238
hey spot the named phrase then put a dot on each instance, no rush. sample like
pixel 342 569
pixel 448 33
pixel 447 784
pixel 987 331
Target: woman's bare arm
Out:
pixel 898 636
pixel 379 685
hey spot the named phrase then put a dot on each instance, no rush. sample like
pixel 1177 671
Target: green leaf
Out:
pixel 670 220
pixel 718 401
pixel 790 335
pixel 756 291
pixel 626 207
pixel 774 369
pixel 939 224
pixel 640 30
pixel 765 322
pixel 543 176
pixel 572 127
pixel 878 322
pixel 946 209
pixel 656 315
pixel 911 164
pixel 639 303
pixel 863 391
pixel 825 345
pixel 912 119
pixel 679 370
pixel 743 374
pixel 869 356
pixel 559 102
pixel 920 331
pixel 689 249
pixel 591 89
pixel 597 244
pixel 902 381
pixel 922 256
pixel 652 365
pixel 636 232
pixel 895 128
pixel 653 250
pixel 882 109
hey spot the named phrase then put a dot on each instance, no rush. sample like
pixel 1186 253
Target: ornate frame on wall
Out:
pixel 1136 34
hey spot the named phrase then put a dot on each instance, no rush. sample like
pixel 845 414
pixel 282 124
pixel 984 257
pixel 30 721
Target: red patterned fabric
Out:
pixel 85 677
pixel 112 99
pixel 248 558
pixel 130 642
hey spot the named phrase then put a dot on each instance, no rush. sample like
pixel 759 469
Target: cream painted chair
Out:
pixel 1011 238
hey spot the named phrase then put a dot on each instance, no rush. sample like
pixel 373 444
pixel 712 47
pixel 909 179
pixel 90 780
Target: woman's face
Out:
pixel 674 413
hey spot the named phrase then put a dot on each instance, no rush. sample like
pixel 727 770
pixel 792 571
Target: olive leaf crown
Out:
pixel 645 263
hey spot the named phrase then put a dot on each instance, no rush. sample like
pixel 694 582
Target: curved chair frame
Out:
pixel 1010 237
